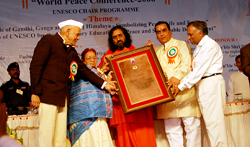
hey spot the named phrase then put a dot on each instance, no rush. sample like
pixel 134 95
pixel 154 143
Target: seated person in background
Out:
pixel 16 92
pixel 238 83
pixel 89 108
pixel 5 140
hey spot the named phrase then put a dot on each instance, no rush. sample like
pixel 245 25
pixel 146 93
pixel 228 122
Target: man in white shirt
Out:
pixel 238 83
pixel 206 75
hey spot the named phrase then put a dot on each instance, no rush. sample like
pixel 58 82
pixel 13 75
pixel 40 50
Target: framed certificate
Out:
pixel 140 79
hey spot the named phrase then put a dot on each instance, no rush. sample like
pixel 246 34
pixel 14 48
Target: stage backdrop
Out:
pixel 24 22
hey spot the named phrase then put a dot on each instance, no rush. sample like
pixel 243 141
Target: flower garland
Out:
pixel 13 134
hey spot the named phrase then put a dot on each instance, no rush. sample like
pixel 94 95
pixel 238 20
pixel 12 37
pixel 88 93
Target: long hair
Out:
pixel 127 42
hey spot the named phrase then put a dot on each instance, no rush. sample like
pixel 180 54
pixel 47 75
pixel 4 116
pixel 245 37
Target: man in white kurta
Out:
pixel 238 84
pixel 175 59
pixel 206 75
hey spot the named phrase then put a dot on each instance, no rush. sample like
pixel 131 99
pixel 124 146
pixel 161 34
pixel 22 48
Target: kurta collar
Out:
pixel 169 42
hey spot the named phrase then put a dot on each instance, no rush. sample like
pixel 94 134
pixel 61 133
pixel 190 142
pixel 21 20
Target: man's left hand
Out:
pixel 35 99
pixel 173 81
pixel 175 90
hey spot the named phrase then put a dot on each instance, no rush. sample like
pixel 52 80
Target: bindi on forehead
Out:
pixel 116 35
pixel 161 28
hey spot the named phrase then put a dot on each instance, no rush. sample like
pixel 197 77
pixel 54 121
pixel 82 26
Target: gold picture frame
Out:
pixel 140 79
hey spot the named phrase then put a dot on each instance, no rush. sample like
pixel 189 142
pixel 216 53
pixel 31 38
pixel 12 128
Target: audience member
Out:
pixel 238 84
pixel 16 91
pixel 175 59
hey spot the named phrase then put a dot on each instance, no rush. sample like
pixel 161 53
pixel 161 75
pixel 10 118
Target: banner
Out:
pixel 24 22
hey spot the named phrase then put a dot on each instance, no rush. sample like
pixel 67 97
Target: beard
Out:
pixel 120 45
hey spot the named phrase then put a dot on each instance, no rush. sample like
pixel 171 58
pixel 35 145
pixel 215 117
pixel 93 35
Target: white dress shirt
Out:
pixel 207 61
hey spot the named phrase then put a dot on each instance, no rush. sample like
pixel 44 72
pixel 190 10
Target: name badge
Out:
pixel 19 91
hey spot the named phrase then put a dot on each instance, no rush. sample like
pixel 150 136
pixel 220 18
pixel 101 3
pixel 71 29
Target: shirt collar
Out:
pixel 63 39
pixel 200 44
pixel 203 41
pixel 241 72
pixel 14 82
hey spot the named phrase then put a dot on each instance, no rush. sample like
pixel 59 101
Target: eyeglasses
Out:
pixel 116 37
pixel 89 58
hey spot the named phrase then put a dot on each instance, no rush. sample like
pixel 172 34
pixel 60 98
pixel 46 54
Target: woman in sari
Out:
pixel 89 108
